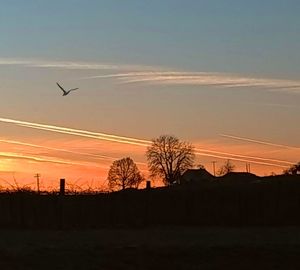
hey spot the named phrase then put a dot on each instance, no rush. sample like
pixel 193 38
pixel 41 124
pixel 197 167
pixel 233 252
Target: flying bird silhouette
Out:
pixel 66 92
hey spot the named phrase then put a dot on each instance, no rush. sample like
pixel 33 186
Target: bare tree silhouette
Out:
pixel 226 168
pixel 200 166
pixel 124 174
pixel 294 169
pixel 168 158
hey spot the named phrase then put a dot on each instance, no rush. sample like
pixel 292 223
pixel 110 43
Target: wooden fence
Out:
pixel 271 204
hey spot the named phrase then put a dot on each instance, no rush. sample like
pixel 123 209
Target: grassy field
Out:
pixel 157 248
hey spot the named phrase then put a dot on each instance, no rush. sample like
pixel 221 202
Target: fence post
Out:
pixel 148 185
pixel 62 187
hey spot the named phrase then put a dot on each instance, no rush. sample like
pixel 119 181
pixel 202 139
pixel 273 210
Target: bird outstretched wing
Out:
pixel 61 87
pixel 73 89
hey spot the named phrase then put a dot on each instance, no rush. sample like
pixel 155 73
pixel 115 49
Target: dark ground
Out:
pixel 168 248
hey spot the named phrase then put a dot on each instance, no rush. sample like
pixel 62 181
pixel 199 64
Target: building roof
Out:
pixel 196 176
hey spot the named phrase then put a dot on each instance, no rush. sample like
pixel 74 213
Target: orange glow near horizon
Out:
pixel 85 163
pixel 84 157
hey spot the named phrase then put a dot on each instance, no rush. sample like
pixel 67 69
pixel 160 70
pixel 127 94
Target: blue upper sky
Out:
pixel 252 37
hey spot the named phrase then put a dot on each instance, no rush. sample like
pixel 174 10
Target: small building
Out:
pixel 239 178
pixel 196 176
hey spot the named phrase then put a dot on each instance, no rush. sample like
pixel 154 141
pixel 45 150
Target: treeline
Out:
pixel 273 201
pixel 168 158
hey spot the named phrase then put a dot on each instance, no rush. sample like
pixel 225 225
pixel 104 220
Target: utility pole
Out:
pixel 214 167
pixel 37 176
pixel 248 167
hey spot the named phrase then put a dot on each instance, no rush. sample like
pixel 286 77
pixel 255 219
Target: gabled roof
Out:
pixel 196 176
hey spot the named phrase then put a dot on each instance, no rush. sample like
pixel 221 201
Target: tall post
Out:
pixel 37 176
pixel 62 187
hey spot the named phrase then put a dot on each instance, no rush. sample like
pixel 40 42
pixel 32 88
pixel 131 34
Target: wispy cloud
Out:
pixel 10 61
pixel 220 80
pixel 143 74
pixel 72 65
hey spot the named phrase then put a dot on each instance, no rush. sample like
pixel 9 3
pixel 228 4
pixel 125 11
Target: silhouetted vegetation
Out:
pixel 124 174
pixel 294 169
pixel 228 167
pixel 168 158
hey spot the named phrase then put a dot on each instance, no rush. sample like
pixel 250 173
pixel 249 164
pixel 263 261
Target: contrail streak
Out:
pixel 246 156
pixel 259 142
pixel 110 158
pixel 56 149
pixel 38 159
pixel 242 160
pixel 84 133
pixel 229 155
pixel 197 149
pixel 133 141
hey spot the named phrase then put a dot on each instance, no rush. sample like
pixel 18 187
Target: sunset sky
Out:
pixel 221 74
